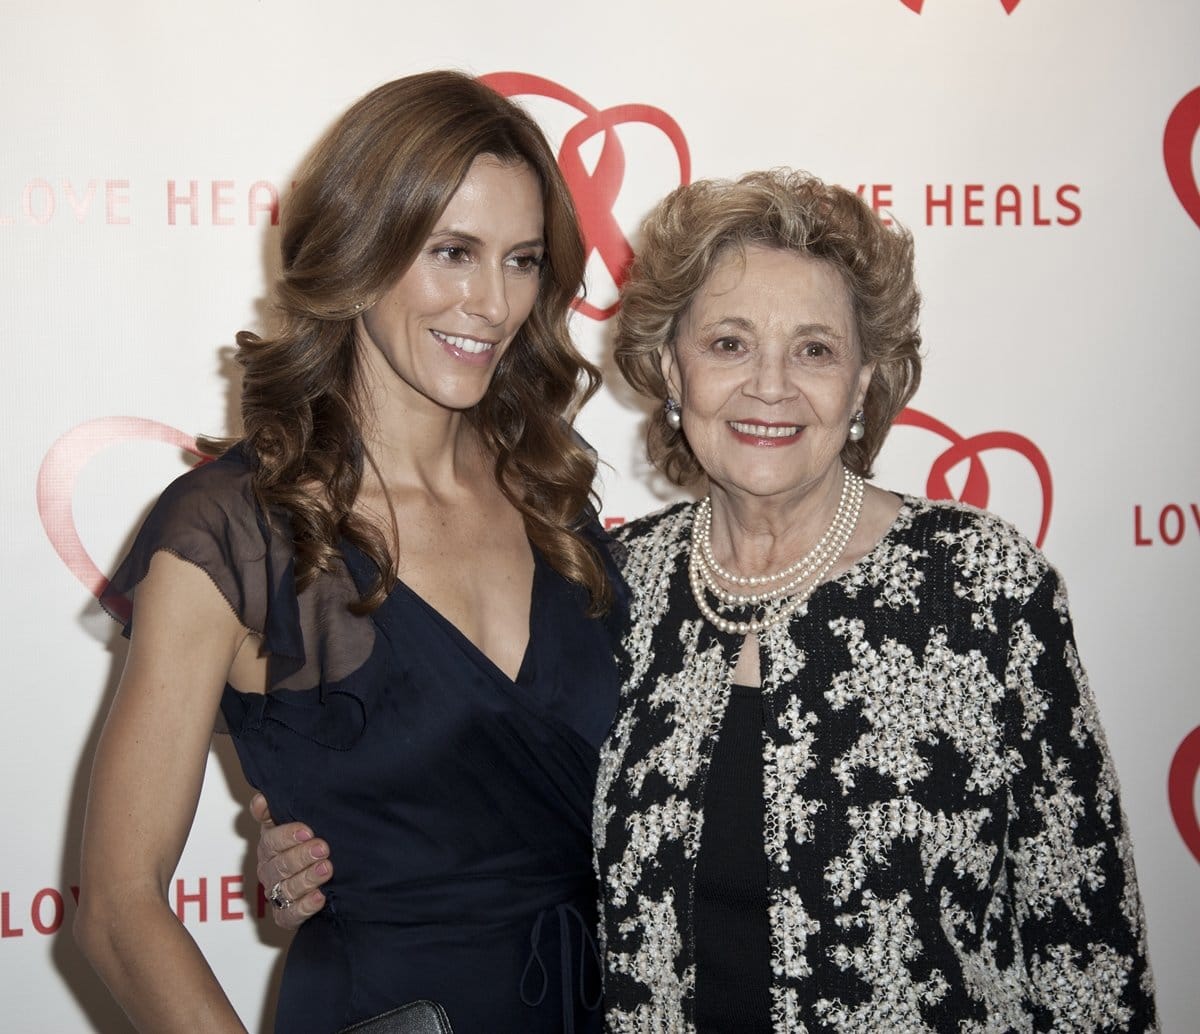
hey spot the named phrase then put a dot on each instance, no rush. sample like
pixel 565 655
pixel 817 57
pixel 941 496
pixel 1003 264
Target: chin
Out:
pixel 763 488
pixel 460 396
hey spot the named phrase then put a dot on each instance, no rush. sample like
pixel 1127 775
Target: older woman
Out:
pixel 857 781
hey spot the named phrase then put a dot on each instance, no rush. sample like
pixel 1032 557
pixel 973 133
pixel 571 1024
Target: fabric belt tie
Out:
pixel 587 943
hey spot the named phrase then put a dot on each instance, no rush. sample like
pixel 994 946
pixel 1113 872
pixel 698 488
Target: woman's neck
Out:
pixel 754 535
pixel 418 444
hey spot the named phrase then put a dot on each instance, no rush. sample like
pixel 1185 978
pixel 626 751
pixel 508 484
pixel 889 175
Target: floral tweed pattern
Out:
pixel 946 850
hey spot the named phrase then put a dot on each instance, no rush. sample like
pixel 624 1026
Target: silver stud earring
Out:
pixel 858 427
pixel 358 307
pixel 673 415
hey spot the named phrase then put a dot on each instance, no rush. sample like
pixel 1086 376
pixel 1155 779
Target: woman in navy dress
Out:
pixel 392 593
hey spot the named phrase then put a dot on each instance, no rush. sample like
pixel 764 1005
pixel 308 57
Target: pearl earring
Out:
pixel 673 414
pixel 858 427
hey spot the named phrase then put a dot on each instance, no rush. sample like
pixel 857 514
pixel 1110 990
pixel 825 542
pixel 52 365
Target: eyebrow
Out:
pixel 800 330
pixel 470 238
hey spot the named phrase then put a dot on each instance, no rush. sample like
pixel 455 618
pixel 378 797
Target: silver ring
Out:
pixel 278 898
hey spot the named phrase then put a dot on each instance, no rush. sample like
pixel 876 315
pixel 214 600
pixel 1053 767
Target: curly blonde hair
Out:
pixel 366 200
pixel 696 225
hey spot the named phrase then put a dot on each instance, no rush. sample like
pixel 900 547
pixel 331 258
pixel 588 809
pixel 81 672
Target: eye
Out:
pixel 453 253
pixel 728 346
pixel 526 262
pixel 817 350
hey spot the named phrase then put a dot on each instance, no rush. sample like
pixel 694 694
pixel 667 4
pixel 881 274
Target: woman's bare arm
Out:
pixel 146 782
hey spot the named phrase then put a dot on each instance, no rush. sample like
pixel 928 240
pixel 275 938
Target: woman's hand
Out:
pixel 292 866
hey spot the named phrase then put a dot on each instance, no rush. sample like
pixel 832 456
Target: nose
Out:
pixel 488 295
pixel 769 379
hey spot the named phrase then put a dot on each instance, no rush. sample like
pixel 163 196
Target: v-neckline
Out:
pixel 466 643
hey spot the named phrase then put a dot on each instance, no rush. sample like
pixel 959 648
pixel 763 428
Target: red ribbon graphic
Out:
pixel 1178 138
pixel 1181 788
pixel 595 192
pixel 60 470
pixel 975 488
pixel 916 5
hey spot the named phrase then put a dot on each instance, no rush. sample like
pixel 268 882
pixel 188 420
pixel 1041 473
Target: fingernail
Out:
pixel 303 834
pixel 319 850
pixel 323 869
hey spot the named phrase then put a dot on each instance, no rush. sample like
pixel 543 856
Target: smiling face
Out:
pixel 437 333
pixel 767 367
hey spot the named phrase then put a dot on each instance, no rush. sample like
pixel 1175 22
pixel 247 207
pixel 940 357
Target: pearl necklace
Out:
pixel 703 570
pixel 797 572
pixel 703 528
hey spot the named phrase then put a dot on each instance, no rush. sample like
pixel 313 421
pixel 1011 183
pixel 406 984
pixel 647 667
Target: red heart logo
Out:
pixel 60 470
pixel 1178 138
pixel 595 192
pixel 975 488
pixel 1181 788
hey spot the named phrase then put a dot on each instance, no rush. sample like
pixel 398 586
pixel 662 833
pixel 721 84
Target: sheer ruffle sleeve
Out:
pixel 209 517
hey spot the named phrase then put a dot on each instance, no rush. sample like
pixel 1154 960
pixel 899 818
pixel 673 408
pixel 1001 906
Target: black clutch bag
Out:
pixel 419 1017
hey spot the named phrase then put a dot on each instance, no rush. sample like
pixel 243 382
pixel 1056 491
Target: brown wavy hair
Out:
pixel 696 225
pixel 366 200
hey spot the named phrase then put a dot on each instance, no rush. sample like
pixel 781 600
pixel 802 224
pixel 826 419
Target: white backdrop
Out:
pixel 1044 152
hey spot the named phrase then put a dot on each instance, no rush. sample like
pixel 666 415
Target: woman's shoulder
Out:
pixel 977 545
pixel 224 484
pixel 950 519
pixel 670 521
pixel 217 500
pixel 208 517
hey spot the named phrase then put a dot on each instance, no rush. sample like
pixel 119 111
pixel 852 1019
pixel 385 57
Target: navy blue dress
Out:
pixel 457 801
